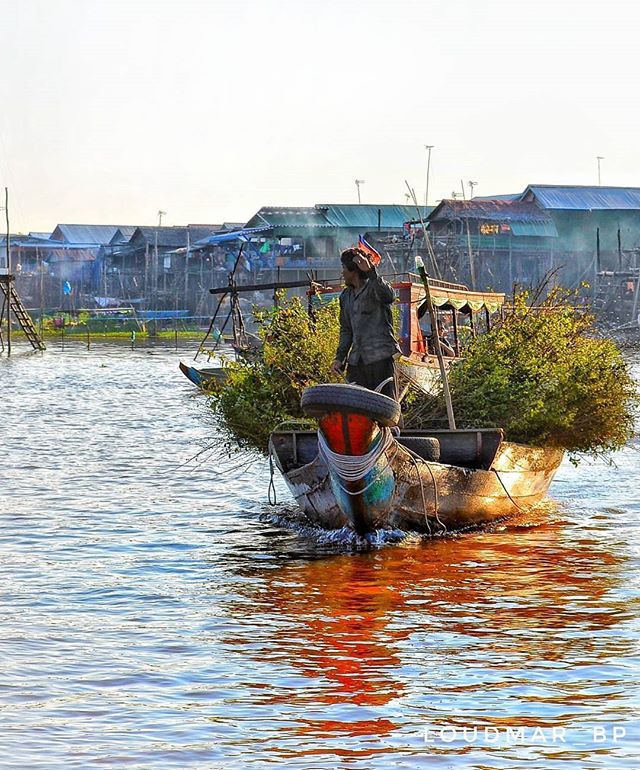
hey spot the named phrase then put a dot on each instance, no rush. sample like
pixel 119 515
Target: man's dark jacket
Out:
pixel 366 322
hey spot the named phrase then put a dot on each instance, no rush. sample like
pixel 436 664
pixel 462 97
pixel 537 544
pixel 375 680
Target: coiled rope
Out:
pixel 352 468
pixel 414 457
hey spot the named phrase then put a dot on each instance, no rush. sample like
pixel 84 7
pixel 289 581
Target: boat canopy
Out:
pixel 445 298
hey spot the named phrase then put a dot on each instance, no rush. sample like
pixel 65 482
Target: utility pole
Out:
pixel 358 183
pixel 471 186
pixel 160 215
pixel 186 270
pixel 599 158
pixel 428 148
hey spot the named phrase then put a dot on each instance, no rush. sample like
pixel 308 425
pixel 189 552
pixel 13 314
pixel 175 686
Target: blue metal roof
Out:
pixel 288 216
pixel 538 229
pixel 583 198
pixel 365 216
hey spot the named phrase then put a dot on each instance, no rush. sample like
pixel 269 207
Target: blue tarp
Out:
pixel 236 235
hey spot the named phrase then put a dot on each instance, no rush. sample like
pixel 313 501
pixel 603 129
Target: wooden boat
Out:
pixel 424 481
pixel 201 376
pixel 470 313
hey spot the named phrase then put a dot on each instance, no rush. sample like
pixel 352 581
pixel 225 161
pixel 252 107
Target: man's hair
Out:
pixel 348 260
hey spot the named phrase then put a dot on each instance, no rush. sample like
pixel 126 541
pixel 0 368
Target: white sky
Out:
pixel 209 109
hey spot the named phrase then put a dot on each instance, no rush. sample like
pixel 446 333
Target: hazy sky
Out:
pixel 209 109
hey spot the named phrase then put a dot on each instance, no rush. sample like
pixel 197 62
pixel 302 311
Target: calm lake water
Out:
pixel 157 613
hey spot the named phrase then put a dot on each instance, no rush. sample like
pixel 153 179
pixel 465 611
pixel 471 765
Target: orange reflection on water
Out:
pixel 519 597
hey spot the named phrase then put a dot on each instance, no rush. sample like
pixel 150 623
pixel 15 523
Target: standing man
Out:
pixel 367 343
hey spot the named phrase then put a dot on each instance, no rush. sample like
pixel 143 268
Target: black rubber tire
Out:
pixel 320 399
pixel 426 447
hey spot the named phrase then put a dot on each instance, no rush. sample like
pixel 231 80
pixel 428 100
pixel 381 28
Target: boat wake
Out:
pixel 338 540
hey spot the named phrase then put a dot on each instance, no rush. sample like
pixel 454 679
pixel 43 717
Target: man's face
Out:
pixel 350 276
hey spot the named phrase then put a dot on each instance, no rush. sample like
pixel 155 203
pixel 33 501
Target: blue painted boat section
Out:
pixel 377 497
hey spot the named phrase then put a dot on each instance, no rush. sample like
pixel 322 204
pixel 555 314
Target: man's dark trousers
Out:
pixel 371 375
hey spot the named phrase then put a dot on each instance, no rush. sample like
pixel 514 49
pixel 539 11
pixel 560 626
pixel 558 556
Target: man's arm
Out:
pixel 380 288
pixel 346 336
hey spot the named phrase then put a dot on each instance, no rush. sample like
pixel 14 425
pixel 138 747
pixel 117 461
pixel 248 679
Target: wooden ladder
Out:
pixel 20 312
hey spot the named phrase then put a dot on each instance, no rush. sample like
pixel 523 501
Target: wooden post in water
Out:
pixel 436 342
pixel 635 296
pixel 456 338
pixel 619 250
pixel 6 213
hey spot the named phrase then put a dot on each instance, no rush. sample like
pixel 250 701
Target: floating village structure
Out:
pixel 589 234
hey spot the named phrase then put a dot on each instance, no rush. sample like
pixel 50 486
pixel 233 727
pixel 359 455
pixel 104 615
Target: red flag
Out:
pixel 374 256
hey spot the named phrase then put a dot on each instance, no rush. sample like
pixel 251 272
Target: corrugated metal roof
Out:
pixel 65 254
pixel 288 216
pixel 172 237
pixel 538 229
pixel 365 216
pixel 579 198
pixel 490 210
pixel 98 234
pixel 232 225
pixel 505 197
pixel 122 234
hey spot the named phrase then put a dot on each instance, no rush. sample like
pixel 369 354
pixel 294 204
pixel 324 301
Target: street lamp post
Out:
pixel 428 148
pixel 599 158
pixel 358 183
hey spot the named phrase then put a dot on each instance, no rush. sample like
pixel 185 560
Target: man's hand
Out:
pixel 363 263
pixel 336 367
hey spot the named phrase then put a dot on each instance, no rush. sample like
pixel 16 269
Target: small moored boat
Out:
pixel 201 376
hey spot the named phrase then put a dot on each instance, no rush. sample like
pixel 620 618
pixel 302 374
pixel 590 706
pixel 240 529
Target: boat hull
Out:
pixel 424 375
pixel 425 496
pixel 201 377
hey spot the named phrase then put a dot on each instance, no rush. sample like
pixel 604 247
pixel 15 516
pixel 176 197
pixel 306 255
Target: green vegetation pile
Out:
pixel 298 351
pixel 547 377
pixel 542 374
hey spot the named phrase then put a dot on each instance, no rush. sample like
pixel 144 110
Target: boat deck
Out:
pixel 474 449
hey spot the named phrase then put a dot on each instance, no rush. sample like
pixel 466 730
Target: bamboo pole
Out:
pixel 436 342
pixel 472 270
pixel 429 247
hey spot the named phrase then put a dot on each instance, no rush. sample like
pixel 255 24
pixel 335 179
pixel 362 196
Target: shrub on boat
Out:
pixel 299 349
pixel 548 378
pixel 543 374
